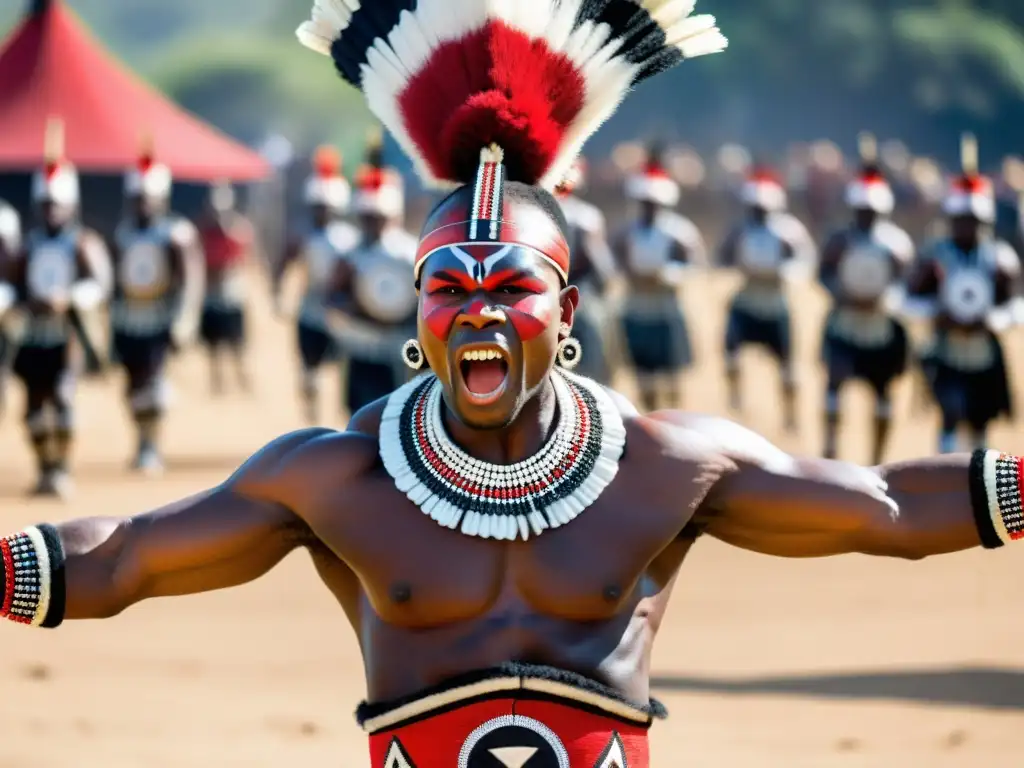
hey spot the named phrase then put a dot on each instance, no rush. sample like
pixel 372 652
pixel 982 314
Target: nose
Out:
pixel 479 315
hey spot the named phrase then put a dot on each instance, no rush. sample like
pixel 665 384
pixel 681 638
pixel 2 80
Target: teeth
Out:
pixel 482 354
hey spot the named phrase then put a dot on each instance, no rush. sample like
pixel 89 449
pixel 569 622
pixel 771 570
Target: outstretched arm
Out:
pixel 97 567
pixel 770 502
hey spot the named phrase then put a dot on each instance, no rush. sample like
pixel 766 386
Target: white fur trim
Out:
pixel 393 62
pixel 155 182
pixel 387 200
pixel 61 188
pixel 982 207
pixel 989 473
pixel 876 196
pixel 334 192
pixel 764 194
pixel 654 189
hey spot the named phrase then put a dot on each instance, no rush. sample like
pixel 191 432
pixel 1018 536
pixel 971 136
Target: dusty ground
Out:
pixel 847 662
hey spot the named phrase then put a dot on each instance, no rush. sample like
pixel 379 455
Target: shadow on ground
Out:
pixel 987 687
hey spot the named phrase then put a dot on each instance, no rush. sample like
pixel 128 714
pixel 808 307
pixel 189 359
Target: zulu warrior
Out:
pixel 158 294
pixel 59 271
pixel 227 240
pixel 502 534
pixel 768 247
pixel 654 253
pixel 373 297
pixel 10 249
pixel 967 283
pixel 864 266
pixel 592 270
pixel 327 194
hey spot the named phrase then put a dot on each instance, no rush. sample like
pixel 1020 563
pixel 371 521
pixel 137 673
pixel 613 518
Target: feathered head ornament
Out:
pixel 148 178
pixel 496 99
pixel 378 188
pixel 970 193
pixel 57 181
pixel 870 190
pixel 653 183
pixel 325 185
pixel 764 189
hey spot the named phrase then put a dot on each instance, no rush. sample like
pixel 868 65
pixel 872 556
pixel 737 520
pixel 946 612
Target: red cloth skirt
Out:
pixel 533 718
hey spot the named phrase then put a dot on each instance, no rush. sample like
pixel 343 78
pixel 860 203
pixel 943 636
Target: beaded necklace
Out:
pixel 503 501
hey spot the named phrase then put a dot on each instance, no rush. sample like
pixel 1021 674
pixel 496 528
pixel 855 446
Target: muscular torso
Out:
pixel 428 603
pixel 859 266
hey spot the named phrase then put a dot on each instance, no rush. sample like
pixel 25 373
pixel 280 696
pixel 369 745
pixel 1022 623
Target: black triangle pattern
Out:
pixel 397 757
pixel 614 755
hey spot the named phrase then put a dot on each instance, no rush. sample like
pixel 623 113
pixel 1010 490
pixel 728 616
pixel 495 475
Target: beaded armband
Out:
pixel 995 482
pixel 32 577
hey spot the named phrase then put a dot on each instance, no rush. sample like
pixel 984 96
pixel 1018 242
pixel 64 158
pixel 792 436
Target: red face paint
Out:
pixel 469 280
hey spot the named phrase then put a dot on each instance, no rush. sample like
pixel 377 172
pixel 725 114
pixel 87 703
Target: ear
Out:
pixel 569 299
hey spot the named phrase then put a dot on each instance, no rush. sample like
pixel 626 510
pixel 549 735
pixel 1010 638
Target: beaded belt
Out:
pixel 515 716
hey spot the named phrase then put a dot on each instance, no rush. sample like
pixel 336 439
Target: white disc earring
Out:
pixel 412 354
pixel 569 353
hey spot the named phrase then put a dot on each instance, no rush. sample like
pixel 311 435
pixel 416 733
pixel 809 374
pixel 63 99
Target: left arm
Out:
pixel 188 256
pixel 95 273
pixel 768 501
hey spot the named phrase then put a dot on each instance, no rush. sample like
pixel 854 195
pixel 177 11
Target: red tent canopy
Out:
pixel 51 67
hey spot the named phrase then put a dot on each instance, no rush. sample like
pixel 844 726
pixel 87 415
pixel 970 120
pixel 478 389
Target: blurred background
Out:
pixel 764 663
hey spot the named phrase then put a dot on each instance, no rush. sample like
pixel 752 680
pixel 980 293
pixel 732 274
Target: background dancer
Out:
pixel 228 240
pixel 157 299
pixel 654 252
pixel 327 193
pixel 10 249
pixel 373 295
pixel 769 247
pixel 967 282
pixel 59 270
pixel 593 271
pixel 863 267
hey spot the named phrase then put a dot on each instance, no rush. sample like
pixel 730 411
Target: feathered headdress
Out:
pixel 870 189
pixel 482 93
pixel 378 188
pixel 57 181
pixel 652 183
pixel 970 193
pixel 148 178
pixel 326 186
pixel 573 179
pixel 764 189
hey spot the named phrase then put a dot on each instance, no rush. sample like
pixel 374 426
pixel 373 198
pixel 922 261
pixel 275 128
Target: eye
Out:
pixel 511 290
pixel 448 290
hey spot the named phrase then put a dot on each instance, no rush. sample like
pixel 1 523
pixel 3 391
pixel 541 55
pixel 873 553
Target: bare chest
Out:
pixel 413 572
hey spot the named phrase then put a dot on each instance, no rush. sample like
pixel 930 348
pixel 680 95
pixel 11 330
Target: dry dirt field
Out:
pixel 763 663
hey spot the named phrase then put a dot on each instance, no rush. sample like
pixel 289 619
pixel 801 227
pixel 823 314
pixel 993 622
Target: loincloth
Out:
pixel 517 715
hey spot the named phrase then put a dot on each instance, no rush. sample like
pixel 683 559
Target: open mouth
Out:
pixel 484 372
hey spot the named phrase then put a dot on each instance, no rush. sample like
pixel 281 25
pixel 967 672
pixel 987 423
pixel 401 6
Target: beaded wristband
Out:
pixel 32 577
pixel 995 483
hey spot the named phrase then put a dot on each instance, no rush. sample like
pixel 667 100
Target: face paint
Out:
pixel 508 274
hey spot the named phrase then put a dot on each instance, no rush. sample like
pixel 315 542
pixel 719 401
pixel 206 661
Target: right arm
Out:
pixel 828 267
pixel 223 537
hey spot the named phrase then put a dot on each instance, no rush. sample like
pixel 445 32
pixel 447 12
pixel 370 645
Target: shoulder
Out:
pixel 787 226
pixel 401 244
pixel 678 227
pixel 1004 257
pixel 181 231
pixel 720 442
pixel 91 243
pixel 286 469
